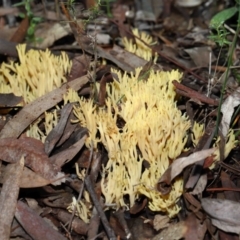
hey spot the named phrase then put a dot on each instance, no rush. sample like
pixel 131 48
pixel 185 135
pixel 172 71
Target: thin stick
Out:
pixel 82 188
pixel 108 229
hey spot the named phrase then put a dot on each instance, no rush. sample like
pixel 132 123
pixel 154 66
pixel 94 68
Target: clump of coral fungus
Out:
pixel 153 125
pixel 140 48
pixel 37 73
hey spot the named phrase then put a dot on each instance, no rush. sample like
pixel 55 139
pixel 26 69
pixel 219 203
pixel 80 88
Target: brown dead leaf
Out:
pixel 80 66
pixel 160 222
pixel 77 225
pixel 195 229
pixel 60 200
pixel 102 90
pixel 65 156
pixel 124 59
pixel 51 32
pixel 177 167
pixel 8 10
pixel 34 225
pixel 33 110
pixel 227 110
pixel 29 179
pixel 139 229
pixel 175 231
pixel 9 195
pixel 33 152
pixel 145 71
pixel 228 183
pixel 21 32
pixel 138 206
pixel 9 100
pixel 17 232
pixel 224 213
pixel 57 132
pixel 200 56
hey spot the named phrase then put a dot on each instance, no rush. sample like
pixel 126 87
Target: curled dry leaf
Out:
pixel 56 133
pixel 35 157
pixel 227 110
pixel 179 164
pixel 224 214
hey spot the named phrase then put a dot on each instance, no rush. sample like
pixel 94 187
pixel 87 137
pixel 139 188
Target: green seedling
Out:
pixel 217 24
pixel 33 21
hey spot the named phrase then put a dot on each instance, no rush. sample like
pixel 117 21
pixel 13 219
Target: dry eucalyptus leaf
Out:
pixel 200 55
pixel 34 155
pixel 9 100
pixel 33 110
pixel 125 60
pixel 227 110
pixel 179 164
pixel 65 156
pixel 57 132
pixel 175 231
pixel 224 214
pixel 9 195
pixel 29 179
pixel 51 32
pixel 80 66
pixel 34 225
pixel 160 221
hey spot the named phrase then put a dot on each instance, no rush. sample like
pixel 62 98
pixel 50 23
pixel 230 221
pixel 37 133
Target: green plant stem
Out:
pixel 226 75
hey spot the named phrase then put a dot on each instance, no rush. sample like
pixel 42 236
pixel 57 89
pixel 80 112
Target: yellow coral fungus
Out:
pixel 37 73
pixel 229 145
pixel 140 49
pixel 197 132
pixel 153 125
pixel 143 132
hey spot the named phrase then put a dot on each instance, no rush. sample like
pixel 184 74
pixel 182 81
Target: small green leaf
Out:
pixel 19 4
pixel 28 8
pixel 37 19
pixel 222 17
pixel 31 30
pixel 22 15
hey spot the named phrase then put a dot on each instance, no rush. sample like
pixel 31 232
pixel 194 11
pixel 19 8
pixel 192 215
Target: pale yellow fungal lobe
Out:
pixel 140 49
pixel 152 124
pixel 37 73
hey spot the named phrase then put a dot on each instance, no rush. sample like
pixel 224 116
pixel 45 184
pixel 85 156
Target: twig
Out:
pixel 101 213
pixel 120 217
pixel 188 92
pixel 82 188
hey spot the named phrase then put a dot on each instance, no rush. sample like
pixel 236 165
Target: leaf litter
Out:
pixel 124 147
